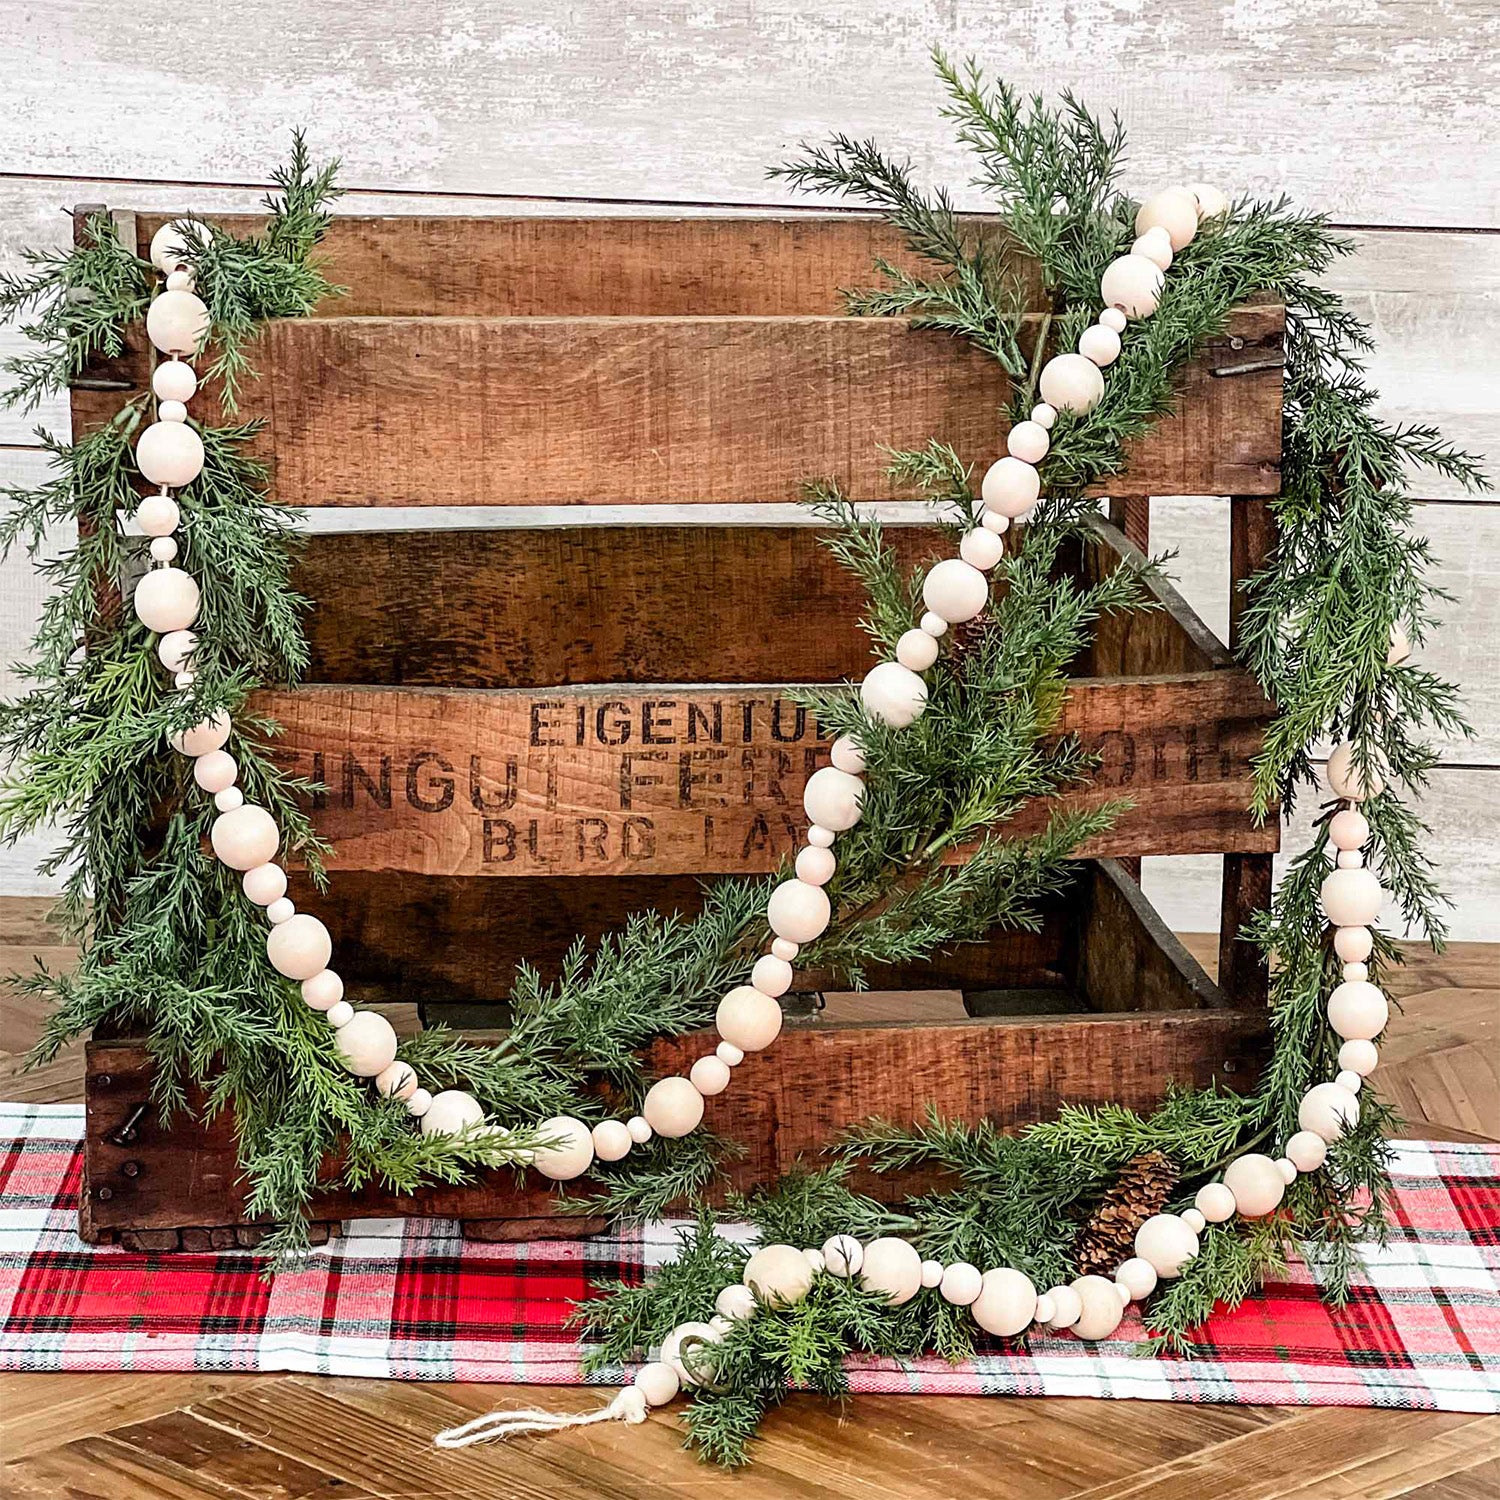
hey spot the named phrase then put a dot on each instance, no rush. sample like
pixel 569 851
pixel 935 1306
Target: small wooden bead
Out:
pixel 1256 1183
pixel 1215 1202
pixel 673 1107
pixel 954 589
pixel 176 322
pixel 174 380
pixel 215 771
pixel 1288 1169
pixel 815 866
pixel 848 755
pixel 1167 1243
pixel 1028 441
pixel 833 798
pixel 779 1275
pixel 366 1043
pixel 186 680
pixel 1044 414
pixel 1358 1010
pixel 573 1153
pixel 1349 829
pixel 935 625
pixel 166 599
pixel 244 838
pixel 1350 859
pixel 1307 1151
pixel 1155 246
pixel 961 1284
pixel 1349 1079
pixel 895 694
pixel 1328 1110
pixel 398 1080
pixel 169 453
pixel 640 1129
pixel 1211 201
pixel 1123 1291
pixel 709 1075
pixel 1100 344
pixel 339 1015
pixel 264 884
pixel 992 520
pixel 736 1302
pixel 932 1273
pixel 815 1259
pixel 1351 898
pixel 980 549
pixel 1194 1220
pixel 657 1383
pixel 1347 780
pixel 209 734
pixel 1006 1302
pixel 749 1018
pixel 916 650
pixel 1113 318
pixel 1174 209
pixel 1353 944
pixel 169 245
pixel 1359 1057
pixel 229 799
pixel 419 1103
pixel 171 411
pixel 1010 487
pixel 1353 972
pixel 280 911
pixel 323 990
pixel 158 515
pixel 300 947
pixel 1138 1277
pixel 611 1139
pixel 1072 383
pixel 1100 1308
pixel 843 1255
pixel 1067 1306
pixel 782 947
pixel 451 1113
pixel 730 1055
pixel 1046 1310
pixel 182 281
pixel 893 1269
pixel 771 975
pixel 163 550
pixel 175 649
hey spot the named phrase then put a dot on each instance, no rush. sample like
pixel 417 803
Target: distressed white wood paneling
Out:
pixel 1361 108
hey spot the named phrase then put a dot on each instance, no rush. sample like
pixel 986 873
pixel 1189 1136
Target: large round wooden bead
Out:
pixel 200 738
pixel 893 694
pixel 1028 441
pixel 1256 1183
pixel 848 754
pixel 1072 383
pixel 1174 209
pixel 1167 1243
pixel 1307 1151
pixel 1358 1011
pixel 961 1283
pixel 1345 779
pixel 687 1352
pixel 1155 245
pixel 367 1044
pixel 1328 1110
pixel 673 1107
pixel 176 322
pixel 451 1113
pixel 748 1017
pixel 571 1156
pixel 397 1080
pixel 166 599
pixel 174 380
pixel 1351 898
pixel 1349 829
pixel 169 244
pixel 1359 1057
pixel 1133 284
pixel 735 1302
pixel 980 549
pixel 1100 1308
pixel 1211 201
pixel 779 1275
pixel 1010 487
pixel 1215 1202
pixel 170 453
pixel 798 912
pixel 300 947
pixel 893 1269
pixel 832 798
pixel 954 590
pixel 1006 1302
pixel 1138 1277
pixel 245 838
pixel 657 1383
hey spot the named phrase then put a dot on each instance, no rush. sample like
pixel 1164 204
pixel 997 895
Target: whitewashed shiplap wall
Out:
pixel 1381 114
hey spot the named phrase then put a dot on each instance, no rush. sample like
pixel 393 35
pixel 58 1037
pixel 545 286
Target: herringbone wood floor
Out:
pixel 278 1437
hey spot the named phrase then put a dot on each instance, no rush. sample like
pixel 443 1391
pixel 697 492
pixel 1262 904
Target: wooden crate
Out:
pixel 529 730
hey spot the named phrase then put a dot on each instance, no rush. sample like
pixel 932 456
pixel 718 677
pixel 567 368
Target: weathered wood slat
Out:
pixel 573 411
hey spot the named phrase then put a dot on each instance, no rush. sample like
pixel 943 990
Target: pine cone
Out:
pixel 1141 1189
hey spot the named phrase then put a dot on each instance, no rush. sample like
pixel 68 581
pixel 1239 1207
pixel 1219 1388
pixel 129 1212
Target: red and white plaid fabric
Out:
pixel 411 1300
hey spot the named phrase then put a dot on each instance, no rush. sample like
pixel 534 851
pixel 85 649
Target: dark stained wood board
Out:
pixel 690 410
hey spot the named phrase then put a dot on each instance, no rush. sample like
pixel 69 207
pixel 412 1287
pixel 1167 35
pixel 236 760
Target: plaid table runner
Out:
pixel 411 1300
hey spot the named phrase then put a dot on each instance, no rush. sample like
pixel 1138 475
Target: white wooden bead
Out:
pixel 367 1043
pixel 1072 383
pixel 736 1302
pixel 894 694
pixel 451 1113
pixel 1256 1184
pixel 280 911
pixel 215 771
pixel 1138 1277
pixel 1351 898
pixel 397 1080
pixel 843 1255
pixel 798 911
pixel 771 975
pixel 299 948
pixel 1215 1202
pixel 264 884
pixel 815 1260
pixel 1352 972
pixel 1100 1309
pixel 1358 1010
pixel 832 798
pixel 640 1129
pixel 1194 1220
pixel 1328 1110
pixel 954 589
pixel 1046 1310
pixel 779 1275
pixel 673 1107
pixel 749 1018
pixel 1167 1243
pixel 1350 859
pixel 781 947
pixel 1307 1151
pixel 1067 1306
pixel 935 625
pixel 1156 246
pixel 185 680
pixel 992 520
pixel 175 649
pixel 324 990
pixel 176 322
pixel 169 453
pixel 244 838
pixel 730 1055
pixel 200 738
pixel 1345 779
pixel 158 515
pixel 1349 829
pixel 573 1154
pixel 1133 284
pixel 893 1269
pixel 688 1351
pixel 611 1140
pixel 182 281
pixel 1028 441
pixel 1353 944
pixel 709 1075
pixel 1123 1291
pixel 848 754
pixel 339 1014
pixel 229 799
pixel 1400 647
pixel 1044 414
pixel 171 411
pixel 1006 1302
pixel 1211 201
pixel 169 244
pixel 1359 1057
pixel 932 1273
pixel 916 650
pixel 163 550
pixel 657 1383
pixel 980 549
pixel 1174 209
pixel 1349 1079
pixel 1100 344
pixel 961 1284
pixel 166 599
pixel 174 380
pixel 1010 488
pixel 1288 1169
pixel 419 1103
pixel 815 866
pixel 1113 318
